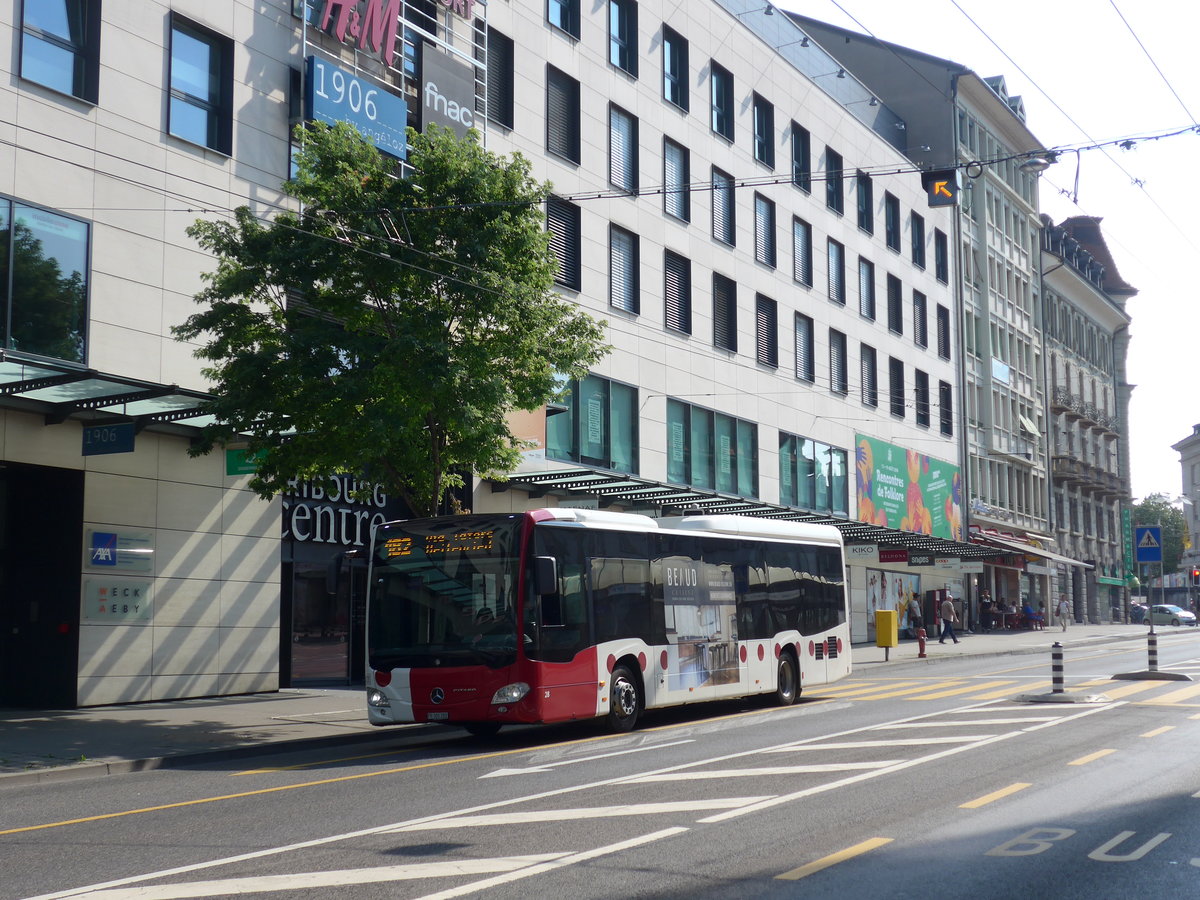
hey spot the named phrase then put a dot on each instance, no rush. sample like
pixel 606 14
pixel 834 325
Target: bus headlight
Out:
pixel 377 699
pixel 511 693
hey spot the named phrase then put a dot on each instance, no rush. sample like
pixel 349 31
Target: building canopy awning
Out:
pixel 610 488
pixel 1021 547
pixel 60 392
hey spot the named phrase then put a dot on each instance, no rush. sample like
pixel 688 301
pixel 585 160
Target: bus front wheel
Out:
pixel 482 729
pixel 787 686
pixel 624 701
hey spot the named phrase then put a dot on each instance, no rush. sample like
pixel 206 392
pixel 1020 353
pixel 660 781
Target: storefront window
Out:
pixel 599 426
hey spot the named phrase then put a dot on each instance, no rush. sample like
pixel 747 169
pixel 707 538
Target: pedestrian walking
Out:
pixel 1064 610
pixel 915 621
pixel 949 617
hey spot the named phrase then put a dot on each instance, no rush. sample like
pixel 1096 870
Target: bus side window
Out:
pixel 568 606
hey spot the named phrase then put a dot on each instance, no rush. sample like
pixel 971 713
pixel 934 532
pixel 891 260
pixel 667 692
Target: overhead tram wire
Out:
pixel 1157 69
pixel 1137 182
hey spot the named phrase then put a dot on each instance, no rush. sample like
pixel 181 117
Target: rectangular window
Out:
pixel 838 379
pixel 563 221
pixel 896 386
pixel 921 394
pixel 802 262
pixel 836 260
pixel 201 107
pixel 813 475
pixel 766 331
pixel 599 427
pixel 710 450
pixel 866 288
pixel 866 202
pixel 724 224
pixel 868 374
pixel 943 331
pixel 44 282
pixel 724 312
pixel 500 68
pixel 623 287
pixel 764 131
pixel 834 196
pixel 945 408
pixel 562 114
pixel 722 101
pixel 801 158
pixel 805 364
pixel 891 221
pixel 941 256
pixel 60 46
pixel 764 231
pixel 622 35
pixel 564 15
pixel 677 292
pixel 677 178
pixel 920 320
pixel 895 305
pixel 675 68
pixel 917 224
pixel 622 150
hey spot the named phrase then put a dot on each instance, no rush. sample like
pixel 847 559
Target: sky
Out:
pixel 1092 71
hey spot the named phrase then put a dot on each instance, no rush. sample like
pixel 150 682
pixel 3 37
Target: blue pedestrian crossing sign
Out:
pixel 1147 542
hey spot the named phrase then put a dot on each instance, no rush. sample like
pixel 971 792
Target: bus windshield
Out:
pixel 444 593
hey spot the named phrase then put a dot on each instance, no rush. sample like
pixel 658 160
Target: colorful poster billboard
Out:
pixel 898 488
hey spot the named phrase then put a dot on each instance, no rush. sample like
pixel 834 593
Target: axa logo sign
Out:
pixel 104 548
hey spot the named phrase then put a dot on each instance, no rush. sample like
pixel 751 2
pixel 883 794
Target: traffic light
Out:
pixel 1195 576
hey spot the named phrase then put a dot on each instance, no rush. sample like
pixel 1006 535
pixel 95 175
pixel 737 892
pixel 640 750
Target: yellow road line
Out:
pixel 953 692
pixel 852 690
pixel 1136 688
pixel 1091 757
pixel 1175 696
pixel 887 695
pixel 834 858
pixel 995 795
pixel 1028 688
pixel 1157 731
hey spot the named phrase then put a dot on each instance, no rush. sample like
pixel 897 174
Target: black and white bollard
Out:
pixel 1152 650
pixel 1056 667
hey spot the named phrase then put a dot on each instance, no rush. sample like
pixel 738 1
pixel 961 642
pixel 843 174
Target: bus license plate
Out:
pixel 438 717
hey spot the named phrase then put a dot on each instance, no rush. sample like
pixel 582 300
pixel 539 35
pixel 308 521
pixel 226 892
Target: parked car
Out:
pixel 1169 614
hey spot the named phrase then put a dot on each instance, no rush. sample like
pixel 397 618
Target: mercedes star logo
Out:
pixel 437 695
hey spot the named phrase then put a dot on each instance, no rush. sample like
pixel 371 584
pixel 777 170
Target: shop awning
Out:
pixel 610 487
pixel 60 392
pixel 1021 547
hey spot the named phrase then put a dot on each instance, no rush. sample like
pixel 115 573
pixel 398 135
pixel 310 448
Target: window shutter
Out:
pixel 677 288
pixel 676 199
pixel 804 348
pixel 562 221
pixel 870 391
pixel 623 264
pixel 724 313
pixel 802 251
pixel 766 331
pixel 622 150
pixel 562 114
pixel 723 209
pixel 764 230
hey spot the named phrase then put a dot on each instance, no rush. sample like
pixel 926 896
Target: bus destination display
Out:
pixel 435 544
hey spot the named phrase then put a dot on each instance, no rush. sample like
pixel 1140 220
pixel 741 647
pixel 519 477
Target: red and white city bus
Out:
pixel 560 614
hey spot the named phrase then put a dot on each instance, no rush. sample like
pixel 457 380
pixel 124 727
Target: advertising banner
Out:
pixel 898 488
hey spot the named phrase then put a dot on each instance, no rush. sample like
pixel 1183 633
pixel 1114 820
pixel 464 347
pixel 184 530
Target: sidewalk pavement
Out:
pixel 51 745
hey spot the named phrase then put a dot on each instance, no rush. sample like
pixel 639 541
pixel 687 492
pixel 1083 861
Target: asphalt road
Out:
pixel 917 780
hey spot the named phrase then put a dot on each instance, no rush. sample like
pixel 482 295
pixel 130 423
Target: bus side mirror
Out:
pixel 545 575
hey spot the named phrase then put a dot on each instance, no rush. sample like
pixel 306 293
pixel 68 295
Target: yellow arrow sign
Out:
pixel 939 187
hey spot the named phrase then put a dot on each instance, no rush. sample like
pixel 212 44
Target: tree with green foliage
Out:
pixel 1157 509
pixel 388 327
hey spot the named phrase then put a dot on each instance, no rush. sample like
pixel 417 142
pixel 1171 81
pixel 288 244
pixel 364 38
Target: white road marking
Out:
pixel 586 812
pixel 1015 720
pixel 332 879
pixel 570 762
pixel 898 742
pixel 766 771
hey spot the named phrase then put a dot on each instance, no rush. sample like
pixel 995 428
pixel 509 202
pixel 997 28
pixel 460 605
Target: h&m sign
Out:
pixel 374 25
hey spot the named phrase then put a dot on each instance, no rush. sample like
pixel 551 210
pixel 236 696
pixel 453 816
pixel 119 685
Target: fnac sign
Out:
pixel 374 25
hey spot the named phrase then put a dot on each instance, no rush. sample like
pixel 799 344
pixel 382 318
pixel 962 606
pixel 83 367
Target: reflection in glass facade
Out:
pixel 43 282
pixel 711 451
pixel 599 427
pixel 813 475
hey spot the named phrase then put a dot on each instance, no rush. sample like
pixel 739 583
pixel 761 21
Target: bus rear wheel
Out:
pixel 787 685
pixel 624 700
